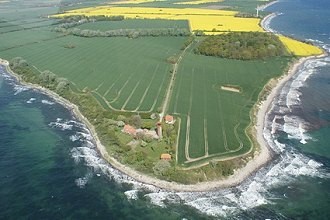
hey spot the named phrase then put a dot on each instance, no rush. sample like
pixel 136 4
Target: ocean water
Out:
pixel 50 169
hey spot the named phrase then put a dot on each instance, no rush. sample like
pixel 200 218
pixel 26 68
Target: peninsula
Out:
pixel 174 97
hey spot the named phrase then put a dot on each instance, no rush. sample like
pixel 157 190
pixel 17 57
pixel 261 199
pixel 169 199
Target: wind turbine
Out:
pixel 257 10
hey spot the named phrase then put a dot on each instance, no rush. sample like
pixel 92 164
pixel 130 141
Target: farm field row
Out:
pixel 213 121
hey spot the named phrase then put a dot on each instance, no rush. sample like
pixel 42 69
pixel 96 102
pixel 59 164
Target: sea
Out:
pixel 50 168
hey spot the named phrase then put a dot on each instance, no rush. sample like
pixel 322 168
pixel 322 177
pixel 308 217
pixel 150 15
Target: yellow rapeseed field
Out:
pixel 200 19
pixel 299 48
pixel 208 20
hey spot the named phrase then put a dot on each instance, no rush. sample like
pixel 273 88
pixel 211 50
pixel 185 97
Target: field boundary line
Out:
pixel 222 120
pixel 130 96
pixel 147 90
pixel 99 86
pixel 106 93
pixel 121 89
pixel 177 141
pixel 106 101
pixel 189 112
pixel 177 96
pixel 206 142
pixel 237 137
pixel 187 139
pixel 158 93
pixel 172 80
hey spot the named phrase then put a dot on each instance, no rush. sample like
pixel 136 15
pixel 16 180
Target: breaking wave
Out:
pixel 20 88
pixel 61 124
pixel 47 102
pixel 82 181
pixel 286 108
pixel 31 100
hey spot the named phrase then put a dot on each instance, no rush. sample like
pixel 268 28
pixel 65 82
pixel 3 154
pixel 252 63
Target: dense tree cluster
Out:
pixel 242 45
pixel 77 18
pixel 245 15
pixel 72 21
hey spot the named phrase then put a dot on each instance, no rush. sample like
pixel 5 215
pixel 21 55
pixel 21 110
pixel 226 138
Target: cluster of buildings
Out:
pixel 153 134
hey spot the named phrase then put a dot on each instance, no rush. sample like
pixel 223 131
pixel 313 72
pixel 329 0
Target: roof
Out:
pixel 165 156
pixel 129 130
pixel 169 118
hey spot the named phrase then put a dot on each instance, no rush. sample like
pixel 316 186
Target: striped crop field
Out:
pixel 130 75
pixel 207 20
pixel 214 120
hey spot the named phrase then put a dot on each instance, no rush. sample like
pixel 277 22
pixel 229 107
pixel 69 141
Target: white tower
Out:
pixel 257 10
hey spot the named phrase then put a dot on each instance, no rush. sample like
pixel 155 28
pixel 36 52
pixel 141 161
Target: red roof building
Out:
pixel 128 129
pixel 169 119
pixel 165 157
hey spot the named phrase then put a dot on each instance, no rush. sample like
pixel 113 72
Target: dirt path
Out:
pixel 171 84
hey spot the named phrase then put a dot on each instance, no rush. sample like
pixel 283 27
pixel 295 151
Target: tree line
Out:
pixel 69 23
pixel 131 33
pixel 242 45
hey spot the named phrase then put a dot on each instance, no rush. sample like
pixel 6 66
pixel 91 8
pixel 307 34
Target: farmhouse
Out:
pixel 128 129
pixel 165 157
pixel 169 119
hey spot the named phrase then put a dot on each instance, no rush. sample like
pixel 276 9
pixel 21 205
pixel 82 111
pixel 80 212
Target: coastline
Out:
pixel 261 157
pixel 239 175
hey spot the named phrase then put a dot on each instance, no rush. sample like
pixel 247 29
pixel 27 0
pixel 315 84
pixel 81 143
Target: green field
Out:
pixel 112 68
pixel 213 121
pixel 134 24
